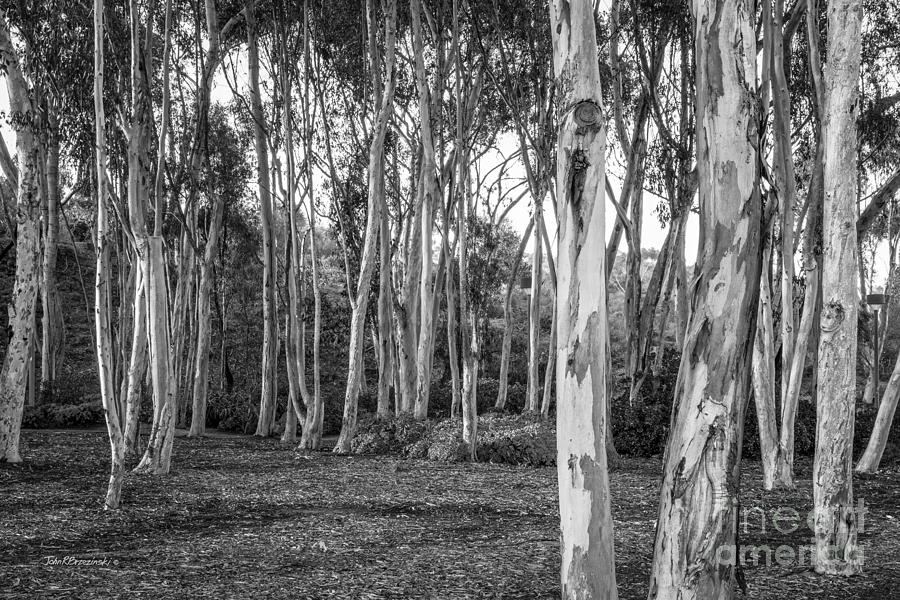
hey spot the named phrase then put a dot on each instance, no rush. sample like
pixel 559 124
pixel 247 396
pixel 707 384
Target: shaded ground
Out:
pixel 241 517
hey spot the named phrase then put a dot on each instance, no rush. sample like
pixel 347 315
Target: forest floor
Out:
pixel 243 517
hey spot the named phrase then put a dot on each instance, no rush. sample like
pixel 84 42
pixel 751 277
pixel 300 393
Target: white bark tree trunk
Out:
pixel 506 347
pixel 204 334
pixel 696 536
pixel 429 194
pixel 586 539
pixel 157 458
pixel 764 380
pixel 14 372
pixel 835 519
pixel 52 323
pixel 269 393
pixel 384 110
pixel 534 317
pixel 102 318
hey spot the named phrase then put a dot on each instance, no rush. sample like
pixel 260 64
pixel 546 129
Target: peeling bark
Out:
pixel 588 568
pixel 837 552
pixel 696 536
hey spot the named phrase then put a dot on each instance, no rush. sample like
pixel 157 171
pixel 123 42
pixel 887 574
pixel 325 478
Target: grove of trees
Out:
pixel 300 211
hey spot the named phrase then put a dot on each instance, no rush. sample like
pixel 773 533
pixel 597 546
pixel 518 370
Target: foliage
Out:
pixel 59 416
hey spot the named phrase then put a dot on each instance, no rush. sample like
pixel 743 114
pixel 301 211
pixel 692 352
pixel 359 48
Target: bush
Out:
pixel 57 416
pixel 380 435
pixel 516 440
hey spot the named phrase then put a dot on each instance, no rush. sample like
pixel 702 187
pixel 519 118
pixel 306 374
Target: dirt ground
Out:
pixel 241 517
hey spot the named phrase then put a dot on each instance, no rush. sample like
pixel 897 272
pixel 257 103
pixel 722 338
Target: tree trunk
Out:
pixel 102 317
pixel 503 383
pixel 764 380
pixel 204 325
pixel 384 318
pixel 158 456
pixel 534 317
pixel 551 368
pixel 835 519
pixel 268 399
pixel 428 194
pixel 14 373
pixel 812 240
pixel 137 365
pixel 384 109
pixel 696 537
pixel 871 458
pixel 586 539
pixel 52 324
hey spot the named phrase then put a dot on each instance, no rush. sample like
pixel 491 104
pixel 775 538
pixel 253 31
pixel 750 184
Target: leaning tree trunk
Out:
pixel 14 373
pixel 586 540
pixel 835 520
pixel 506 346
pixel 385 109
pixel 698 510
pixel 871 458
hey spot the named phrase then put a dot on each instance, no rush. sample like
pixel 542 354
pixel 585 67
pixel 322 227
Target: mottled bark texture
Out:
pixel 835 518
pixel 586 529
pixel 14 373
pixel 694 553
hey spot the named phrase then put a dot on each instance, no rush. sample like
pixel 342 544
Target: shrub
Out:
pixel 516 440
pixel 56 416
pixel 507 439
pixel 383 435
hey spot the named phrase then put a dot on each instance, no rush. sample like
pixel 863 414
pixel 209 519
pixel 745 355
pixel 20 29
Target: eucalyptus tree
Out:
pixel 587 569
pixel 698 507
pixel 13 374
pixel 383 90
pixel 836 524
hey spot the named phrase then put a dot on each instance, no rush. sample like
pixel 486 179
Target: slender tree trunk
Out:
pixel 506 347
pixel 204 334
pixel 102 318
pixel 384 110
pixel 268 398
pixel 808 318
pixel 588 564
pixel 384 318
pixel 551 367
pixel 534 318
pixel 428 195
pixel 696 536
pixel 871 458
pixel 764 380
pixel 52 324
pixel 835 519
pixel 137 364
